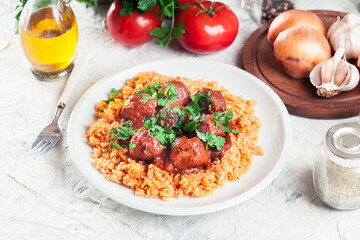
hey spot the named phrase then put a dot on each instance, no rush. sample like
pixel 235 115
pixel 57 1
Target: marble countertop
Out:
pixel 43 195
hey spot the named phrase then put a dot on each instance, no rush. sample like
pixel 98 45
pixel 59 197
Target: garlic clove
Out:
pixel 354 80
pixel 327 70
pixel 341 72
pixel 343 75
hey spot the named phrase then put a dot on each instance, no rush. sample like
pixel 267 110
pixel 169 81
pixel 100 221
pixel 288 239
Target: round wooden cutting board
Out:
pixel 299 96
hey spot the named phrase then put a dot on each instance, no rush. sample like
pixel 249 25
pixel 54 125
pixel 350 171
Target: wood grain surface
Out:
pixel 299 96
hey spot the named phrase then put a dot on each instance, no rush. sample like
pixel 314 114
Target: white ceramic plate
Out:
pixel 274 138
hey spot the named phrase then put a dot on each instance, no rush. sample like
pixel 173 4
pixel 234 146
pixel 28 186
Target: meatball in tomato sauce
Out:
pixel 137 110
pixel 214 153
pixel 182 92
pixel 188 153
pixel 146 148
pixel 216 103
pixel 209 125
pixel 170 115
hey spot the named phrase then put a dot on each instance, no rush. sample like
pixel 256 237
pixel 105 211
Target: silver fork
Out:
pixel 51 134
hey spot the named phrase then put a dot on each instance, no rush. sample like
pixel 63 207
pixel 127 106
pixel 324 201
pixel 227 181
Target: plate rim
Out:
pixel 179 211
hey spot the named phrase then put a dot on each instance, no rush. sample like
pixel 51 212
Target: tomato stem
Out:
pixel 209 11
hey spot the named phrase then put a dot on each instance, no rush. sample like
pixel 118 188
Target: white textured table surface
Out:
pixel 43 195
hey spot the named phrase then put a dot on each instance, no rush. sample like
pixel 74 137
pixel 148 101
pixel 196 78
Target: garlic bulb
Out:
pixel 334 75
pixel 345 33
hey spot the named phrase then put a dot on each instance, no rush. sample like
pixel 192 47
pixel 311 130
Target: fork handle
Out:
pixel 60 107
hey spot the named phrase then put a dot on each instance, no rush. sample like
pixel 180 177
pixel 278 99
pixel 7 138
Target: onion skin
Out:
pixel 298 49
pixel 294 17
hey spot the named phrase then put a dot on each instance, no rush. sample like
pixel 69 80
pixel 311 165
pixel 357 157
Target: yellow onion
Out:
pixel 298 49
pixel 293 18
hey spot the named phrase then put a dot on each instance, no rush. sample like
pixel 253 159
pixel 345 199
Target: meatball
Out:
pixel 216 103
pixel 183 93
pixel 137 112
pixel 146 148
pixel 208 126
pixel 214 153
pixel 168 116
pixel 188 153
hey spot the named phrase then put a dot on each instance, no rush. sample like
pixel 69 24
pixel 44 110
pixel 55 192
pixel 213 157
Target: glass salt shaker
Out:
pixel 336 172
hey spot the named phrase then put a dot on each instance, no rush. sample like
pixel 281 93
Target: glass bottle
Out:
pixel 336 170
pixel 49 36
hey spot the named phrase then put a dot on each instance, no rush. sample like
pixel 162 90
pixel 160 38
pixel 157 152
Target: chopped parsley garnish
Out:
pixel 151 89
pixel 170 91
pixel 123 132
pixel 101 110
pixel 164 102
pixel 165 97
pixel 164 134
pixel 211 140
pixel 132 146
pixel 115 145
pixel 222 120
pixel 145 99
pixel 113 95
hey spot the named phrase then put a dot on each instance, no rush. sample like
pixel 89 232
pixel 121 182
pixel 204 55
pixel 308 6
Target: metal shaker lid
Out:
pixel 343 140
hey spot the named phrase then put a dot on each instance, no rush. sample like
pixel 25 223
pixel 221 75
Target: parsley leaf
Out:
pixel 123 132
pixel 129 7
pixel 132 146
pixel 151 89
pixel 145 99
pixel 211 140
pixel 115 145
pixel 222 120
pixel 146 5
pixel 166 32
pixel 113 95
pixel 164 102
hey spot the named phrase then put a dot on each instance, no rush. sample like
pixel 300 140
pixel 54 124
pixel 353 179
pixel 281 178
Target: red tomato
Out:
pixel 207 32
pixel 131 30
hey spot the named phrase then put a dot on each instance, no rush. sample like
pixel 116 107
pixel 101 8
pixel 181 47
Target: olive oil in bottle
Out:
pixel 49 39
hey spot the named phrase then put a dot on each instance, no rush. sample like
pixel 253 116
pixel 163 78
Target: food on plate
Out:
pixel 173 148
pixel 345 33
pixel 298 49
pixel 131 28
pixel 209 27
pixel 291 18
pixel 334 75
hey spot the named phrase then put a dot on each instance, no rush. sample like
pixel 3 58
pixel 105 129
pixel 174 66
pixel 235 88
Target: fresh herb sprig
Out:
pixel 164 134
pixel 211 140
pixel 165 97
pixel 123 132
pixel 114 94
pixel 222 120
pixel 166 33
pixel 194 111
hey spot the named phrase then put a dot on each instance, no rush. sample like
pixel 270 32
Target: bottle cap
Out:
pixel 343 140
